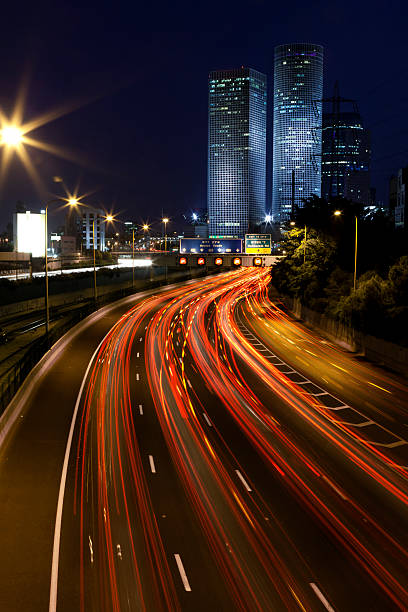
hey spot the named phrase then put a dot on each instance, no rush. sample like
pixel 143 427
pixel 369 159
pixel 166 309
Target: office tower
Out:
pixel 236 151
pixel 297 122
pixel 93 219
pixel 345 152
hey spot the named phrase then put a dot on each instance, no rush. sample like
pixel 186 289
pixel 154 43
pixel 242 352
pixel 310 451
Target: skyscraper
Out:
pixel 236 151
pixel 297 122
pixel 345 152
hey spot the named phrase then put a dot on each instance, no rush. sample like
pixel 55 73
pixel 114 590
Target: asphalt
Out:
pixel 201 475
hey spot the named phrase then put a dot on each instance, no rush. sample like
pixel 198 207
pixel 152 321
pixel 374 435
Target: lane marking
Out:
pixel 137 355
pixel 207 420
pixel 140 409
pixel 244 482
pixel 378 387
pixel 399 442
pixel 58 519
pixel 137 376
pixel 321 597
pixel 91 548
pixel 182 571
pixel 152 466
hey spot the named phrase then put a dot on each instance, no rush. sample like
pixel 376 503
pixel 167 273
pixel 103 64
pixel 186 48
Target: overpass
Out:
pixel 197 260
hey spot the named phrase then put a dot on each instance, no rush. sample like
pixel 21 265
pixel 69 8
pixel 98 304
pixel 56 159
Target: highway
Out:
pixel 196 448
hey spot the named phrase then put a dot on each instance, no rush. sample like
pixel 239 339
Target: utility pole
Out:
pixel 133 259
pixel 355 258
pixel 304 248
pixel 94 265
pixel 47 310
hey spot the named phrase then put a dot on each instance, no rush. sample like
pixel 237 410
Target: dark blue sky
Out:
pixel 141 140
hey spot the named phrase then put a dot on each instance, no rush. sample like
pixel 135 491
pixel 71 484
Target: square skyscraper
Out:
pixel 236 151
pixel 297 127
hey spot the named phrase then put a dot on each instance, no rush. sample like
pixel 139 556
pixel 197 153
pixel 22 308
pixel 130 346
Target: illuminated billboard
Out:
pixel 258 244
pixel 210 245
pixel 29 233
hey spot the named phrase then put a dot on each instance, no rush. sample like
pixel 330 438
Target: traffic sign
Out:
pixel 258 244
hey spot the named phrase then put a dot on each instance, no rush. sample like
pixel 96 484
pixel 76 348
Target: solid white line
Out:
pixel 182 571
pixel 244 482
pixel 207 419
pixel 58 519
pixel 140 408
pixel 321 597
pixel 152 466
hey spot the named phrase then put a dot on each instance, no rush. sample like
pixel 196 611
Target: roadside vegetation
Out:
pixel 320 271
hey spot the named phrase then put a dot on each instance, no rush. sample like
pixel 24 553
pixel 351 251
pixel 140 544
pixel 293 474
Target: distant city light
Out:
pixel 268 218
pixel 195 217
pixel 337 213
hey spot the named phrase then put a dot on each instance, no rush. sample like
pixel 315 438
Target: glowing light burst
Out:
pixel 16 137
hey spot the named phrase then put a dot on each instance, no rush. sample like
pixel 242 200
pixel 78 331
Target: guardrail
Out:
pixel 19 371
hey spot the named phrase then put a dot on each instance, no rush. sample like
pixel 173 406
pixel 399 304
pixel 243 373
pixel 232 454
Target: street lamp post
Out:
pixel 304 248
pixel 94 264
pixel 165 221
pixel 133 259
pixel 71 202
pixel 355 257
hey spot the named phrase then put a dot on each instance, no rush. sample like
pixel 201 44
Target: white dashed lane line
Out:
pixel 244 482
pixel 152 465
pixel 182 572
pixel 321 597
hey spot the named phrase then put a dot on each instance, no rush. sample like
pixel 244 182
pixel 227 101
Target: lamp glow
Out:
pixel 337 213
pixel 11 135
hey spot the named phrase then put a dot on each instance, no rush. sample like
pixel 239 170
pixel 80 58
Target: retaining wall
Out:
pixel 381 351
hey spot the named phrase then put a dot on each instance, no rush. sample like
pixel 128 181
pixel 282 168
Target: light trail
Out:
pixel 201 365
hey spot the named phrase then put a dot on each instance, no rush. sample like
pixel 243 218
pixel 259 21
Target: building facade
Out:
pixel 236 151
pixel 93 219
pixel 345 157
pixel 297 122
pixel 398 197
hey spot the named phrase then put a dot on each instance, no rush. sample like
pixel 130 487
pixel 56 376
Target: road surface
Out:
pixel 196 448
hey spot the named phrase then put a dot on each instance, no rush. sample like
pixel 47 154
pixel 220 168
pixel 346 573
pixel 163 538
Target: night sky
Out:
pixel 136 75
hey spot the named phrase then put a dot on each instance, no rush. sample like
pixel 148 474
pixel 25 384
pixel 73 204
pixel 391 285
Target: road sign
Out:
pixel 210 245
pixel 258 244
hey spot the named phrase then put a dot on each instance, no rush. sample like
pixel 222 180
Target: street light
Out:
pixel 165 221
pixel 146 228
pixel 11 136
pixel 337 213
pixel 71 202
